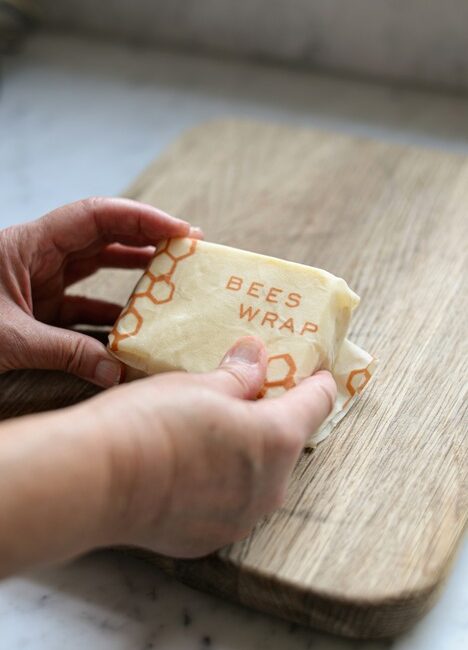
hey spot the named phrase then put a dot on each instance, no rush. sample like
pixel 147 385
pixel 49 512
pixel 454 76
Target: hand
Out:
pixel 195 464
pixel 40 259
pixel 178 463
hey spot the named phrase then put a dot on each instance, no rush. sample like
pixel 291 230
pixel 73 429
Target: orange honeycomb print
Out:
pixel 281 371
pixel 356 382
pixel 157 289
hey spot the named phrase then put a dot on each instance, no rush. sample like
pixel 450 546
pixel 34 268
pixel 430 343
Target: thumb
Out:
pixel 242 371
pixel 53 348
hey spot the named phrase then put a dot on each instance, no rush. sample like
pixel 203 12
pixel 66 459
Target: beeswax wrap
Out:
pixel 196 298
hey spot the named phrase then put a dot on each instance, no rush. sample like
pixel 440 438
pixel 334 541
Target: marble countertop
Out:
pixel 79 118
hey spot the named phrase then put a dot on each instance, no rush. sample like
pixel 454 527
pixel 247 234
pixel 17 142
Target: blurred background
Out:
pixel 106 86
pixel 91 92
pixel 421 41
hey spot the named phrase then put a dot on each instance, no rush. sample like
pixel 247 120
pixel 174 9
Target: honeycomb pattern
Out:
pixel 356 382
pixel 281 371
pixel 157 289
pixel 160 289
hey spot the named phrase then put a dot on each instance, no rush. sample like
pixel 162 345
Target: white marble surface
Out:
pixel 79 118
pixel 419 40
pixel 108 601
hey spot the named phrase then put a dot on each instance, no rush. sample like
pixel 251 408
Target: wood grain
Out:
pixel 374 515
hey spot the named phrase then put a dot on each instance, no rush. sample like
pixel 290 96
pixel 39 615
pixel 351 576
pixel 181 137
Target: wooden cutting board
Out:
pixel 374 515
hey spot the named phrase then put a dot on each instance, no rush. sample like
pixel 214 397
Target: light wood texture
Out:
pixel 374 515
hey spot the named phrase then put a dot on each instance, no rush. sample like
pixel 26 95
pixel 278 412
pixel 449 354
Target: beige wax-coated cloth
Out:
pixel 197 298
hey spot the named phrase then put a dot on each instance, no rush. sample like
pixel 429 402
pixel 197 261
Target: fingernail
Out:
pixel 108 373
pixel 247 350
pixel 196 232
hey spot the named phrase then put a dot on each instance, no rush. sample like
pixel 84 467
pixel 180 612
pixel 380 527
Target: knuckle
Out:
pixel 74 355
pixel 239 376
pixel 282 432
pixel 17 353
pixel 287 439
pixel 91 203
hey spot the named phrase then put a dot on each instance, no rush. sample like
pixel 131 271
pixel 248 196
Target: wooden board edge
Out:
pixel 382 619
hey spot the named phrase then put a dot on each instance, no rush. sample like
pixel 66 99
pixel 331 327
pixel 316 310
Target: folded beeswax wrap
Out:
pixel 196 298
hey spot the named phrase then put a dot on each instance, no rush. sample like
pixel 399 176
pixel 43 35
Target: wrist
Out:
pixel 96 480
pixel 53 487
pixel 138 460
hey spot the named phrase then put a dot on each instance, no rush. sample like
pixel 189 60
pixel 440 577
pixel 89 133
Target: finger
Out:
pixel 112 256
pixel 242 371
pixel 302 409
pixel 53 348
pixel 196 232
pixel 78 225
pixel 87 311
pixel 125 257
